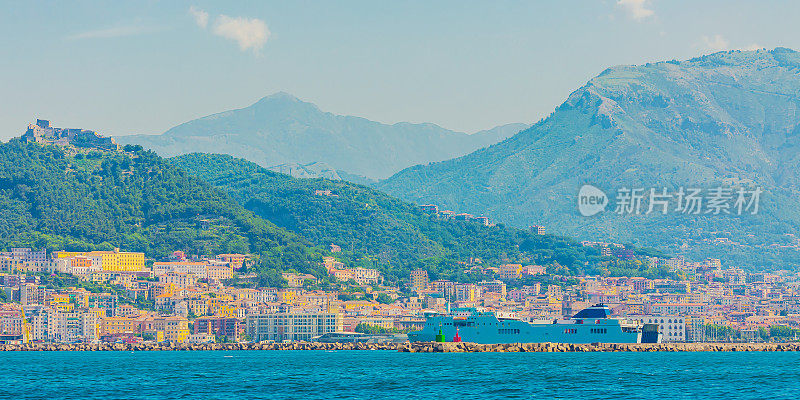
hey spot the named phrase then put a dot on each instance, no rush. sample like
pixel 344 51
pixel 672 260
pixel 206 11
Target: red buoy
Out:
pixel 457 337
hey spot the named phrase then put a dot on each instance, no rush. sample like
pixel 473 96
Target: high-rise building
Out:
pixel 419 279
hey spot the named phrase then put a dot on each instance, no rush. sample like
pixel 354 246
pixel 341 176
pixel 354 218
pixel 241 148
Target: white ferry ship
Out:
pixel 590 325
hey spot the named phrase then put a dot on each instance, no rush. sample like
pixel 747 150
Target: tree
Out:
pixel 763 334
pixel 384 298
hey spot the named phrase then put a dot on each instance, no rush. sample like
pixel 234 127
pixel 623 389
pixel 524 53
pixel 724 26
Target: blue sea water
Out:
pixel 393 375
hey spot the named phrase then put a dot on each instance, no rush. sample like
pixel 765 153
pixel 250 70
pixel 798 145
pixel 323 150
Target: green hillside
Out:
pixel 728 120
pixel 395 233
pixel 133 200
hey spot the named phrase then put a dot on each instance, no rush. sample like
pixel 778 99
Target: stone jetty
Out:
pixel 425 347
pixel 464 347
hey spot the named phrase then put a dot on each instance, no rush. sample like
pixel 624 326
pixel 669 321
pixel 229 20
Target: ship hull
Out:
pixel 490 330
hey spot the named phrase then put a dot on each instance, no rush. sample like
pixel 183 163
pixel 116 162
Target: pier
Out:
pixel 422 347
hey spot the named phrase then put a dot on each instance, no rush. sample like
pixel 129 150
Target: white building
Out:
pixel 672 328
pixel 292 326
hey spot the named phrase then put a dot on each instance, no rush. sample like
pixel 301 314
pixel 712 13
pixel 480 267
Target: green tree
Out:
pixel 384 298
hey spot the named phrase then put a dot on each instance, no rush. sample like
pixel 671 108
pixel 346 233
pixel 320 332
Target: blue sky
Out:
pixel 124 67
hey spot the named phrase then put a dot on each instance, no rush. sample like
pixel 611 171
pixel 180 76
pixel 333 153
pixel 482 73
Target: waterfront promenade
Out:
pixel 425 347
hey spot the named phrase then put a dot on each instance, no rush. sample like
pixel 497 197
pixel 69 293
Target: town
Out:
pixel 122 297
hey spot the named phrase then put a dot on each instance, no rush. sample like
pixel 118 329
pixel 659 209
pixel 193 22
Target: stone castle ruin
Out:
pixel 42 132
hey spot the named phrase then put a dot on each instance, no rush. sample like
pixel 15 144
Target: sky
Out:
pixel 142 67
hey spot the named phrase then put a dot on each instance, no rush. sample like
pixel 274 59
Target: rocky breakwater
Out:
pixel 464 347
pixel 195 347
pixel 425 347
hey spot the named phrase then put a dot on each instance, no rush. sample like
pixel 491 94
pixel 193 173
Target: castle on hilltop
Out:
pixel 42 132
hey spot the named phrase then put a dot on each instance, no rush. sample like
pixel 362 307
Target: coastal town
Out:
pixel 116 296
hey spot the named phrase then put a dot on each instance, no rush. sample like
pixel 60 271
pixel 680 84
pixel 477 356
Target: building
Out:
pixel 292 326
pixel 196 268
pixel 180 280
pixel 110 260
pixel 42 132
pixel 176 329
pixel 218 272
pixel 11 322
pixel 431 209
pixel 117 325
pixel 537 229
pixel 66 327
pixel 509 272
pixel 218 326
pixel 298 280
pixel 419 280
pixel 236 261
pixel 678 308
pixel 467 292
pixel 493 287
pixel 672 328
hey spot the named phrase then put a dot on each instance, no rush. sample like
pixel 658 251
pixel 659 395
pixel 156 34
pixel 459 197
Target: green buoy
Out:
pixel 440 336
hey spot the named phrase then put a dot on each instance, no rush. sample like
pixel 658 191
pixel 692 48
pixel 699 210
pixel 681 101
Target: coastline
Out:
pixel 421 347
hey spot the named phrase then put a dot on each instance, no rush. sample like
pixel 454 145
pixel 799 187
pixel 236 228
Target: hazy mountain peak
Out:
pixel 282 129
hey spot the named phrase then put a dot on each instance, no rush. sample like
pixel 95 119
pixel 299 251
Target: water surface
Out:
pixel 389 374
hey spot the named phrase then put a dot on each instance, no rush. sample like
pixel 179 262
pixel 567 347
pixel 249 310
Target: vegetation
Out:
pixel 379 231
pixel 133 200
pixel 659 125
pixel 137 201
pixel 376 330
pixel 383 298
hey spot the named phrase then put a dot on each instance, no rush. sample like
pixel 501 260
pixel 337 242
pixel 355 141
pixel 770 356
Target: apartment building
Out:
pixel 292 326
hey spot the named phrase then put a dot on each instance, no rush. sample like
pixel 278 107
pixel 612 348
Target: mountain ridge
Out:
pixel 712 120
pixel 282 129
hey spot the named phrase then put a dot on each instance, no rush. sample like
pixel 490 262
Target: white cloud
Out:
pixel 250 33
pixel 715 43
pixel 200 16
pixel 115 32
pixel 636 8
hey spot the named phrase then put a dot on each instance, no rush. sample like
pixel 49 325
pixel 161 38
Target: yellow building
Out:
pixel 176 329
pixel 287 296
pixel 61 302
pixel 114 325
pixel 219 272
pixel 111 260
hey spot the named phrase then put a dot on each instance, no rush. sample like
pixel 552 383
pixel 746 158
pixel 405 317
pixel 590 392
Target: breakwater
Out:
pixel 595 347
pixel 425 347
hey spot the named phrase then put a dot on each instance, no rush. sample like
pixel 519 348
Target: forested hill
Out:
pixel 397 233
pixel 133 200
pixel 727 120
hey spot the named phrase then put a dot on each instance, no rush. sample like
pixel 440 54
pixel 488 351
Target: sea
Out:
pixel 394 375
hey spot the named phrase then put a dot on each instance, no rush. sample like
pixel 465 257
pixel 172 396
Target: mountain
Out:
pixel 64 198
pixel 728 120
pixel 280 129
pixel 395 233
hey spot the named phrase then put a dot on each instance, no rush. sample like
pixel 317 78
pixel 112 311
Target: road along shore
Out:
pixel 424 347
